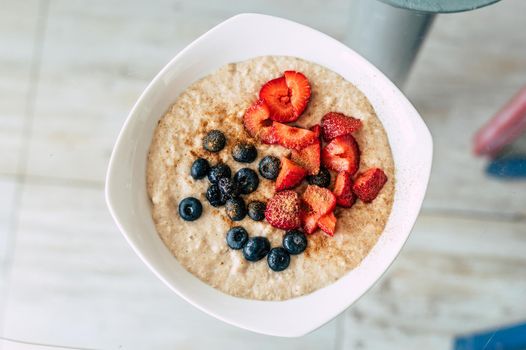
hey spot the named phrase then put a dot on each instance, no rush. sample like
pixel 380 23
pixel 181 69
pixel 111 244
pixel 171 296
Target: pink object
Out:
pixel 504 128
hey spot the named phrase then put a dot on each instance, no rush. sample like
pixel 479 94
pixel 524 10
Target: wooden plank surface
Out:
pixel 17 36
pixel 454 276
pixel 99 59
pixel 91 73
pixel 8 188
pixel 466 71
pixel 75 282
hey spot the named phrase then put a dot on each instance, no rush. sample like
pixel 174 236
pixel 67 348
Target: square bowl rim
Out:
pixel 265 328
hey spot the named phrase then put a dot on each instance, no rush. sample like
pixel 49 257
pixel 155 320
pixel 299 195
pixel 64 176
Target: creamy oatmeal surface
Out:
pixel 219 101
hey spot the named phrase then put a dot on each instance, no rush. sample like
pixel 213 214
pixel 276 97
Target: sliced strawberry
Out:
pixel 327 223
pixel 299 90
pixel 290 175
pixel 342 154
pixel 276 94
pixel 369 183
pixel 308 158
pixel 336 124
pixel 292 137
pixel 258 123
pixel 267 136
pixel 316 129
pixel 343 190
pixel 283 210
pixel 309 221
pixel 321 200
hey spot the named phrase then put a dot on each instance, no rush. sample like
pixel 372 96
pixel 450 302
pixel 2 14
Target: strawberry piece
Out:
pixel 336 124
pixel 316 129
pixel 276 94
pixel 343 190
pixel 309 221
pixel 292 137
pixel 283 210
pixel 319 199
pixel 308 158
pixel 258 123
pixel 299 91
pixel 342 154
pixel 290 175
pixel 327 223
pixel 369 183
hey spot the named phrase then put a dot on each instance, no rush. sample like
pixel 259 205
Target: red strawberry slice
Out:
pixel 369 183
pixel 299 91
pixel 276 94
pixel 292 137
pixel 316 129
pixel 342 154
pixel 336 124
pixel 327 223
pixel 308 158
pixel 319 199
pixel 290 175
pixel 309 221
pixel 258 123
pixel 343 190
pixel 283 210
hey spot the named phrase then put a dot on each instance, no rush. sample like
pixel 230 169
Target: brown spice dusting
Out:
pixel 317 242
pixel 225 218
pixel 243 137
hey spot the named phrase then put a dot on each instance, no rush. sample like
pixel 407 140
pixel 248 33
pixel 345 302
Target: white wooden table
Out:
pixel 70 71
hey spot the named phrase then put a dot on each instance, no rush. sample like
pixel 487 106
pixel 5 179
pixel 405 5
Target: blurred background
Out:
pixel 71 70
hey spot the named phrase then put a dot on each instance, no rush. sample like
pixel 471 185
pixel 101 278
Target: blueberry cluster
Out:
pixel 256 248
pixel 225 189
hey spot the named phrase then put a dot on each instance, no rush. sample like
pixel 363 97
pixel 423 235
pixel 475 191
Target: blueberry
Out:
pixel 256 210
pixel 214 141
pixel 236 209
pixel 236 237
pixel 228 187
pixel 190 209
pixel 218 171
pixel 200 168
pixel 269 167
pixel 256 248
pixel 214 196
pixel 247 180
pixel 278 259
pixel 295 242
pixel 244 152
pixel 322 178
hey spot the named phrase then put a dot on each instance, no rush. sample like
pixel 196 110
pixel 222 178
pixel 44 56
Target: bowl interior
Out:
pixel 237 39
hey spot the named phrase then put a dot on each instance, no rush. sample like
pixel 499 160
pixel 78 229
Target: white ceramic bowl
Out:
pixel 239 38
